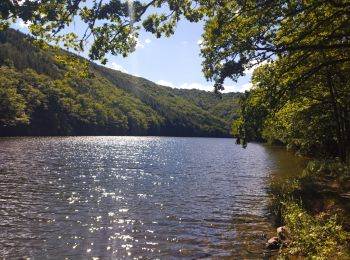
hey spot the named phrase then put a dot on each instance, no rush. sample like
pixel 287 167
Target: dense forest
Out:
pixel 38 99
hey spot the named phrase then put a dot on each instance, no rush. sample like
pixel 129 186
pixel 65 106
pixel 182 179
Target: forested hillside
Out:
pixel 37 99
pixel 224 105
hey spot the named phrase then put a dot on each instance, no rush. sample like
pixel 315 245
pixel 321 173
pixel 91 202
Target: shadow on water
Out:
pixel 253 231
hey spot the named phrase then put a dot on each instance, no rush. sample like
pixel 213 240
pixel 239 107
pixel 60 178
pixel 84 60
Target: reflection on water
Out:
pixel 133 197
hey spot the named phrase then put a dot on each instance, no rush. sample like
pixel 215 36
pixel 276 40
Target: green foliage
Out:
pixel 182 117
pixel 324 169
pixel 313 238
pixel 248 126
pixel 241 34
pixel 327 174
pixel 39 99
pixel 223 106
pixel 301 92
pixel 12 105
pixel 313 214
pixel 112 25
pixel 311 116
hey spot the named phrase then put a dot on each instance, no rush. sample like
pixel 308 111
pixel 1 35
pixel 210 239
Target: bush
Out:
pixel 313 238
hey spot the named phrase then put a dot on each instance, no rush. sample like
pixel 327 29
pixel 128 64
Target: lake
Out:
pixel 136 197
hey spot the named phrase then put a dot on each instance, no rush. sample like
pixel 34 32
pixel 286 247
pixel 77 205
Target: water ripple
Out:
pixel 132 197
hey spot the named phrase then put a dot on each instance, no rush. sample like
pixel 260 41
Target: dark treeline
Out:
pixel 36 98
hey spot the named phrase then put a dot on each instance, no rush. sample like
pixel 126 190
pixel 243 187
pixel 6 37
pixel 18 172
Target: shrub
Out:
pixel 312 238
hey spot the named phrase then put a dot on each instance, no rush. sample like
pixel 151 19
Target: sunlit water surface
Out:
pixel 135 197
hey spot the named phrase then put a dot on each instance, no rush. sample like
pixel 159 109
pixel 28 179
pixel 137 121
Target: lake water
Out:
pixel 135 197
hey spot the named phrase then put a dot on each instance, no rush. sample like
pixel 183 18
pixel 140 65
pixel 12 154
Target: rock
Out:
pixel 284 236
pixel 283 239
pixel 345 195
pixel 273 243
pixel 283 233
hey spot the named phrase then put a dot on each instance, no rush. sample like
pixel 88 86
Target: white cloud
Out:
pixel 234 88
pixel 23 24
pixel 139 45
pixel 251 70
pixel 196 86
pixel 244 87
pixel 165 83
pixel 200 41
pixel 185 85
pixel 116 66
pixel 21 2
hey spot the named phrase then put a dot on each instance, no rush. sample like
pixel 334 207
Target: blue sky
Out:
pixel 173 61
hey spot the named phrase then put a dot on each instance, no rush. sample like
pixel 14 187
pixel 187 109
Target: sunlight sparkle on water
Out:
pixel 112 197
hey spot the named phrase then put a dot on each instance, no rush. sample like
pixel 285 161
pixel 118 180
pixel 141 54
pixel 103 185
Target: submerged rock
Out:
pixel 273 243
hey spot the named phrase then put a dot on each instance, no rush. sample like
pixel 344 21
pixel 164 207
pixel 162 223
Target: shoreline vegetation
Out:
pixel 315 207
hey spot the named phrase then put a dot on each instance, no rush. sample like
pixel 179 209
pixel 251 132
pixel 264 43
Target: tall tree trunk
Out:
pixel 339 130
pixel 347 129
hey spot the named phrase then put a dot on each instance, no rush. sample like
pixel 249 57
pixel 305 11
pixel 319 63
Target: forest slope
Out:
pixel 37 99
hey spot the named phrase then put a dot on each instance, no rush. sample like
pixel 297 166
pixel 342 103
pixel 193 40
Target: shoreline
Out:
pixel 313 206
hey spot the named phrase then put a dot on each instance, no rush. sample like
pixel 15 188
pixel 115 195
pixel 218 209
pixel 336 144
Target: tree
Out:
pixel 248 127
pixel 12 104
pixel 112 25
pixel 241 34
pixel 309 115
pixel 304 88
pixel 238 34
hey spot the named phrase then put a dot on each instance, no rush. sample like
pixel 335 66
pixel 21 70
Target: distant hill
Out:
pixel 223 106
pixel 37 99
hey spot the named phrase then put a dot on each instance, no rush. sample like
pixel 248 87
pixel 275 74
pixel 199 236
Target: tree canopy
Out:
pixel 112 25
pixel 301 96
pixel 241 34
pixel 238 35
